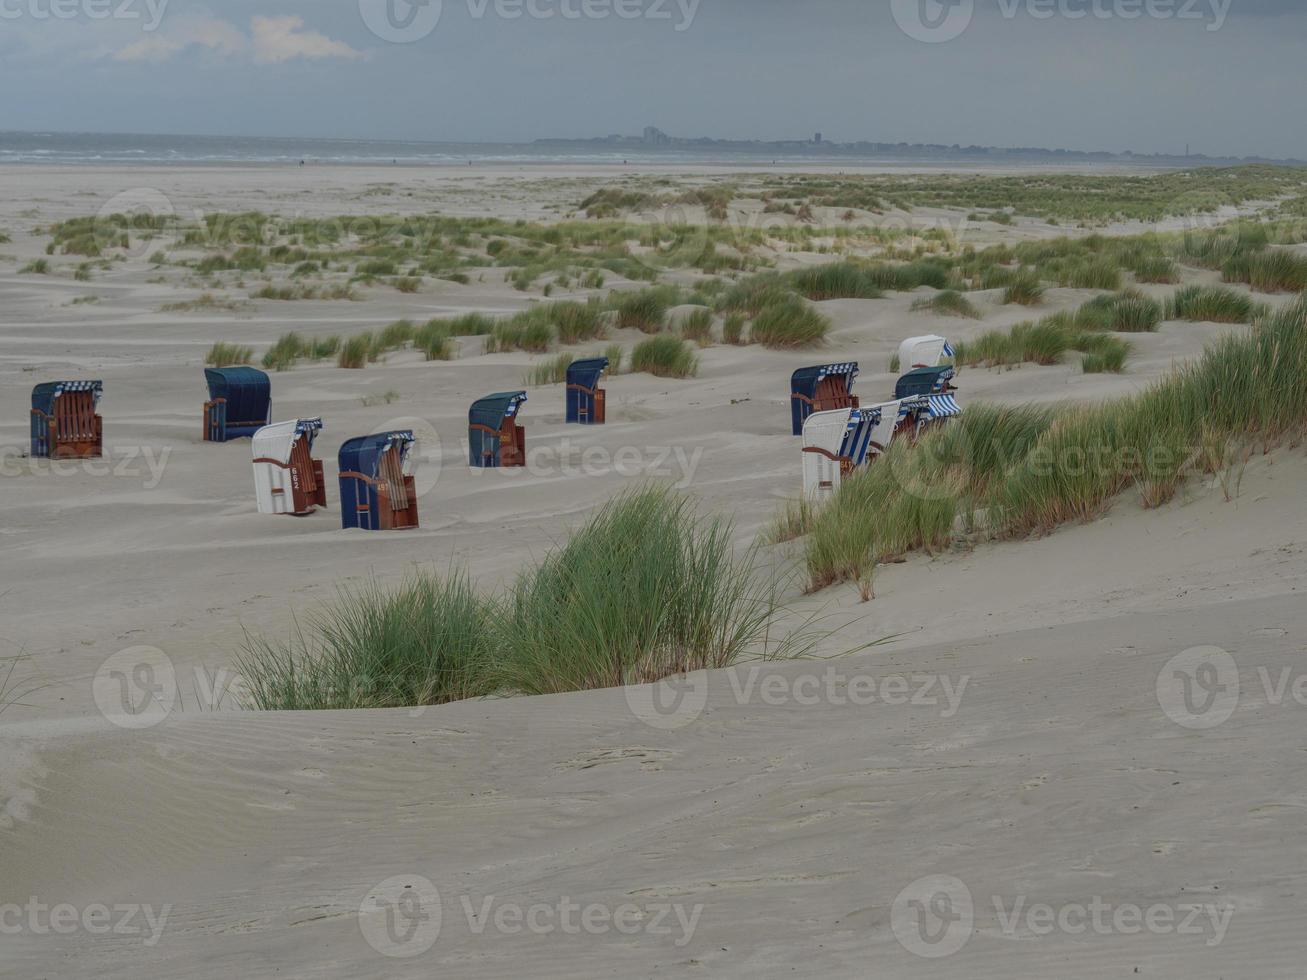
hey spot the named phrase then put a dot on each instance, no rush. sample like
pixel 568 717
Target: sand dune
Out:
pixel 792 827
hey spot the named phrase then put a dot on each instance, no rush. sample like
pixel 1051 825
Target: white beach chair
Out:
pixel 287 479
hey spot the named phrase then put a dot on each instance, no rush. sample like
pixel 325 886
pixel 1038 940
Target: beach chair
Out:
pixel 239 405
pixel 494 437
pixel 287 479
pixel 834 445
pixel 65 423
pixel 922 352
pixel 376 488
pixel 823 388
pixel 585 399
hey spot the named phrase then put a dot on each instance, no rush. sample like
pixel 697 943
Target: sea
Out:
pixel 107 148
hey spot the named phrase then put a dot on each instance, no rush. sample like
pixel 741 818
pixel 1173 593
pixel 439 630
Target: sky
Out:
pixel 1226 77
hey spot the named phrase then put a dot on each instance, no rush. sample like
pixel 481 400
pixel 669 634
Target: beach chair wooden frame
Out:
pixel 65 421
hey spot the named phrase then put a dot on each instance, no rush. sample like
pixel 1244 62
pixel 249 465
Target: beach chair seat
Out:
pixel 287 479
pixel 239 405
pixel 495 440
pixel 585 399
pixel 377 491
pixel 823 388
pixel 65 422
pixel 925 381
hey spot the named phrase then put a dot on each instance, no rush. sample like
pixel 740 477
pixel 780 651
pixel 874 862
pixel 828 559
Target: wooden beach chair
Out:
pixel 287 479
pixel 377 491
pixel 65 422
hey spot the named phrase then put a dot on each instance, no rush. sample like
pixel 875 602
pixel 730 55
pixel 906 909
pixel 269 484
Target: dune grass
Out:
pixel 427 642
pixel 733 329
pixel 1214 304
pixel 646 589
pixel 836 280
pixel 947 302
pixel 292 347
pixel 788 324
pixel 1268 271
pixel 434 340
pixel 1024 288
pixel 531 330
pixel 1015 471
pixel 665 357
pixel 222 354
pixel 615 355
pixel 645 310
pixel 353 353
pixel 549 372
pixel 697 326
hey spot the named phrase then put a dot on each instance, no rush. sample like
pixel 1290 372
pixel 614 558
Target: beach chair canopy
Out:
pixel 276 441
pixel 493 409
pixel 942 406
pixel 45 395
pixel 925 381
pixel 927 351
pixel 804 384
pixel 247 391
pixel 588 372
pixel 363 454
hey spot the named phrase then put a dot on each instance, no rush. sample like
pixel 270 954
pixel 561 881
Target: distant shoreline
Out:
pixel 108 149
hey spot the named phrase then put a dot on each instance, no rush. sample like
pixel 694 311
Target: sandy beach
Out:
pixel 1018 732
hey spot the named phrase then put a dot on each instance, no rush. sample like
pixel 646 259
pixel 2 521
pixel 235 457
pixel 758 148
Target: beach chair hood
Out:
pixel 277 440
pixel 804 385
pixel 927 351
pixel 240 402
pixel 493 409
pixel 44 395
pixel 588 372
pixel 363 454
pixel 925 381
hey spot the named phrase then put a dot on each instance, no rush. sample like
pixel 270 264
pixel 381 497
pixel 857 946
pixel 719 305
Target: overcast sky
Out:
pixel 1226 76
